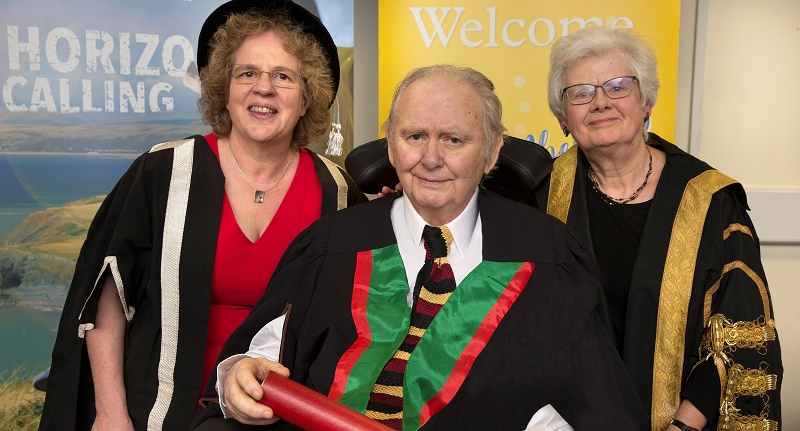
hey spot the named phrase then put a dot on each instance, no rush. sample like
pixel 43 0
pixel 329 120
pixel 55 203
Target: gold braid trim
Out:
pixel 736 227
pixel 737 422
pixel 712 347
pixel 746 382
pixel 724 336
pixel 562 181
pixel 762 290
pixel 755 383
pixel 737 264
pixel 675 292
pixel 721 339
pixel 750 383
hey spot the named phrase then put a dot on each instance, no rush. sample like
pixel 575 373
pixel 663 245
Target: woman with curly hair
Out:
pixel 186 242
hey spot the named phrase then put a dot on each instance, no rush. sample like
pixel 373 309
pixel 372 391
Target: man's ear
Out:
pixel 389 150
pixel 496 145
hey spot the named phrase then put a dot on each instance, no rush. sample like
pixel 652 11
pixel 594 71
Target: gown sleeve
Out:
pixel 739 355
pixel 70 395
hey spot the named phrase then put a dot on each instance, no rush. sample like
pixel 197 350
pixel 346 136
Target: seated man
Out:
pixel 500 323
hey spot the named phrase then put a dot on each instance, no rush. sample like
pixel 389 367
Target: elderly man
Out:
pixel 444 307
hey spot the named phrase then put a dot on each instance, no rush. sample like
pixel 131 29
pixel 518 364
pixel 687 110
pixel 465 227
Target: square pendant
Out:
pixel 259 197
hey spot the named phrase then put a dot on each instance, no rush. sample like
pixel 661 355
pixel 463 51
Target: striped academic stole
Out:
pixel 452 341
pixel 435 283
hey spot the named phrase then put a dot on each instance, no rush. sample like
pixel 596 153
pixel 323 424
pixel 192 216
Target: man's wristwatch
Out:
pixel 682 426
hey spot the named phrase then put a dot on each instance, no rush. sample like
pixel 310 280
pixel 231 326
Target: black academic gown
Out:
pixel 157 231
pixel 698 257
pixel 550 347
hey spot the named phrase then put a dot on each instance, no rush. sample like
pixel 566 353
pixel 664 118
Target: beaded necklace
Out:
pixel 620 201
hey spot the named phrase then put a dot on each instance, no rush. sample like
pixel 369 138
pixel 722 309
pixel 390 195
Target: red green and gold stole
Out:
pixel 452 342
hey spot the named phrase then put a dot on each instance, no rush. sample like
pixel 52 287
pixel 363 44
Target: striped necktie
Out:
pixel 435 283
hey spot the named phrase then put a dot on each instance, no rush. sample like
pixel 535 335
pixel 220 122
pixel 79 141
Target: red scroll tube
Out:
pixel 311 410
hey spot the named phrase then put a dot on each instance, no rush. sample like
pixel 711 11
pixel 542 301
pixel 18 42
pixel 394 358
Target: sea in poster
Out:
pixel 33 182
pixel 30 183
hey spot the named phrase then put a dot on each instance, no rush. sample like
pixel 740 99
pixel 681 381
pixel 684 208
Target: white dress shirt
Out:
pixel 466 251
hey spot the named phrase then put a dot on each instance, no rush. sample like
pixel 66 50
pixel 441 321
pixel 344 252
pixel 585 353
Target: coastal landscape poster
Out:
pixel 87 87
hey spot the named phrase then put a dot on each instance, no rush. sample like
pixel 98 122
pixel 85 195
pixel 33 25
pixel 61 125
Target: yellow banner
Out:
pixel 509 41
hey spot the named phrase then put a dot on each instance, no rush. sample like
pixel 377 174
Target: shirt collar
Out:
pixel 461 227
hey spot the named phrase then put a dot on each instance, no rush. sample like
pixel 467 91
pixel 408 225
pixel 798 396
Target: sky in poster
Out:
pixel 120 58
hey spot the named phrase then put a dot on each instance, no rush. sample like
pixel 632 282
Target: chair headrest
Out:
pixel 369 166
pixel 522 165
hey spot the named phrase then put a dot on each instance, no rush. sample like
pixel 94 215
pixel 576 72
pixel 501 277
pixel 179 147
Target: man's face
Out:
pixel 438 147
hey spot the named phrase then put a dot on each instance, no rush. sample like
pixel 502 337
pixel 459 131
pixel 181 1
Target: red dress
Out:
pixel 242 268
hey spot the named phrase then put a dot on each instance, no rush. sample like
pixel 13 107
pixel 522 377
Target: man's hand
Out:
pixel 386 191
pixel 242 389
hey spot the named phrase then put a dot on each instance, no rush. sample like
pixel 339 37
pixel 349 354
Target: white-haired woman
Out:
pixel 685 287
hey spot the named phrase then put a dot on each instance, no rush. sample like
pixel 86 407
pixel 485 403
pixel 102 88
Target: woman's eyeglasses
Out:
pixel 615 88
pixel 249 75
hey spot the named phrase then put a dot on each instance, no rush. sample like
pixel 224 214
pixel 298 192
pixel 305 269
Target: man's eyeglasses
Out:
pixel 615 88
pixel 249 75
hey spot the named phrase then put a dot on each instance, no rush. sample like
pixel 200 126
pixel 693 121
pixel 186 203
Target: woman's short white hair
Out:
pixel 594 41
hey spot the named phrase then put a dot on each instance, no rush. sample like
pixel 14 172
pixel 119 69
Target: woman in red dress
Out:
pixel 185 244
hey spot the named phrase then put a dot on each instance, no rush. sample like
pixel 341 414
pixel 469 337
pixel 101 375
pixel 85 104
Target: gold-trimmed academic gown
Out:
pixel 699 321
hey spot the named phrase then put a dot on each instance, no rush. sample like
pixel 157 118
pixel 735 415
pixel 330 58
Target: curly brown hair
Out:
pixel 215 77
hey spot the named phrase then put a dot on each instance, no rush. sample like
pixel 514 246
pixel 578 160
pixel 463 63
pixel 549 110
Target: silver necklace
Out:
pixel 258 196
pixel 620 201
